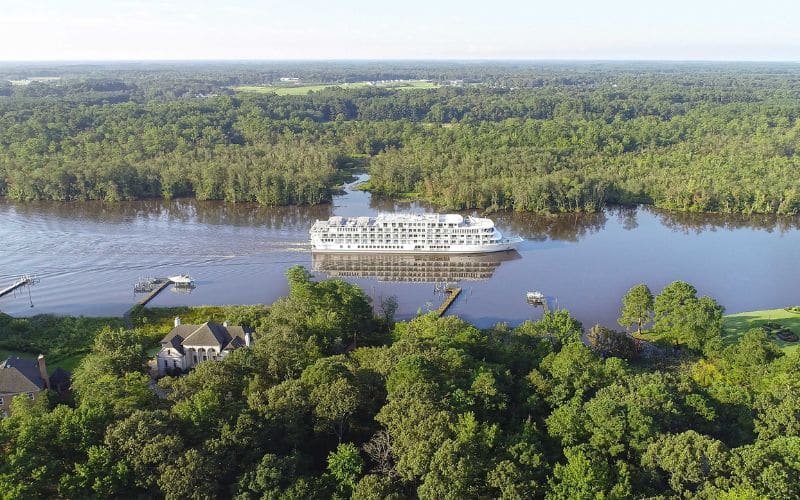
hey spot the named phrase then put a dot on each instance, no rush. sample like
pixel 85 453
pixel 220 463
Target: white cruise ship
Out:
pixel 409 233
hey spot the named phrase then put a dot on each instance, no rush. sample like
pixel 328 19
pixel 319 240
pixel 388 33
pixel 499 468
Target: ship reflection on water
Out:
pixel 417 268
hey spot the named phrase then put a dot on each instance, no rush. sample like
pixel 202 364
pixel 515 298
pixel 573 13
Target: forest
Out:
pixel 337 400
pixel 536 137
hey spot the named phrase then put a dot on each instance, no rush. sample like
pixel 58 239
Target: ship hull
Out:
pixel 411 249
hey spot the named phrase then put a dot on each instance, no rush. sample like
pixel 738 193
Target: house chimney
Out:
pixel 43 370
pixel 177 321
pixel 247 339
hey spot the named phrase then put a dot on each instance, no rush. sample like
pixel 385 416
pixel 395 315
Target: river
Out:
pixel 88 255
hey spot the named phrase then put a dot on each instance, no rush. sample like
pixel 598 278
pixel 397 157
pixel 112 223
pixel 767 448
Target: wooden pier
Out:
pixel 150 296
pixel 25 280
pixel 452 294
pixel 143 302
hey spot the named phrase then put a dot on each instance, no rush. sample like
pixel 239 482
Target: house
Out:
pixel 188 345
pixel 27 377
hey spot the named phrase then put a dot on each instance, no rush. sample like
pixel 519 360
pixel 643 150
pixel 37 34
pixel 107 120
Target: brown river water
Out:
pixel 88 256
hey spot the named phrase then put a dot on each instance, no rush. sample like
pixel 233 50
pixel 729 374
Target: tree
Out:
pixel 770 467
pixel 688 460
pixel 587 475
pixel 272 475
pixel 557 326
pixel 523 471
pixel 282 354
pixel 685 319
pixel 637 307
pixel 389 307
pixel 192 475
pixel 117 397
pixel 335 405
pixel 671 299
pixel 574 370
pixel 778 411
pixel 100 476
pixel 346 465
pixel 418 427
pixel 607 342
pixel 141 441
pixel 376 487
pixel 458 468
pixel 379 449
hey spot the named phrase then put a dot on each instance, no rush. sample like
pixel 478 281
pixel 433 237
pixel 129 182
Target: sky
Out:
pixel 80 30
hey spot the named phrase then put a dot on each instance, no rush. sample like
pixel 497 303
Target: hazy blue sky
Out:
pixel 419 29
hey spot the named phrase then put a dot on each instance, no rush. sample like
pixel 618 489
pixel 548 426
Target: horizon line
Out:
pixel 397 59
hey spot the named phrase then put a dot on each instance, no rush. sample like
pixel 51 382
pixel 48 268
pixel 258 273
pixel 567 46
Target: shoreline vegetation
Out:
pixel 65 340
pixel 335 401
pixel 540 138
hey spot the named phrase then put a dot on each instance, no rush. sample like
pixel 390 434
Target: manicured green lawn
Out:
pixel 68 364
pixel 304 89
pixel 735 325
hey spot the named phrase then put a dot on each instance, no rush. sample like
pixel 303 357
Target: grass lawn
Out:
pixel 283 90
pixel 4 353
pixel 304 89
pixel 68 364
pixel 735 325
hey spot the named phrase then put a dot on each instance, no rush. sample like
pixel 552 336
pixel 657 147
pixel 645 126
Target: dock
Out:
pixel 452 294
pixel 24 280
pixel 536 299
pixel 144 300
pixel 150 296
pixel 545 305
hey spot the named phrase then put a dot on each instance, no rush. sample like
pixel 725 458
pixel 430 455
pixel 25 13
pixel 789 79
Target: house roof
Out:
pixel 207 334
pixel 60 379
pixel 235 343
pixel 20 375
pixel 181 331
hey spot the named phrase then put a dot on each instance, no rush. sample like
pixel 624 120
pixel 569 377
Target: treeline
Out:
pixel 735 159
pixel 330 403
pixel 130 151
pixel 540 138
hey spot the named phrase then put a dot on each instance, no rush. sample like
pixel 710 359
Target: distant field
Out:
pixel 736 325
pixel 304 89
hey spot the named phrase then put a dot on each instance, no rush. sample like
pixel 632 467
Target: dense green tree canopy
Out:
pixel 435 409
pixel 541 138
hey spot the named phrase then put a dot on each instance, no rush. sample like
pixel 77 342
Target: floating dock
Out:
pixel 537 299
pixel 24 280
pixel 452 294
